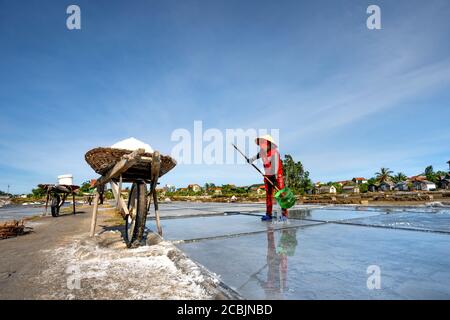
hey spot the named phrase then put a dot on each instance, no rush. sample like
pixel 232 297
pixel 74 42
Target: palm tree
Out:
pixel 429 173
pixel 384 175
pixel 399 177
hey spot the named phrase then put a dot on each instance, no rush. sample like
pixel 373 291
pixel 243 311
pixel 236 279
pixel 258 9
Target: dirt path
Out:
pixel 21 258
pixel 58 260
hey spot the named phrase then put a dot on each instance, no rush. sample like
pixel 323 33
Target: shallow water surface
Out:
pixel 327 260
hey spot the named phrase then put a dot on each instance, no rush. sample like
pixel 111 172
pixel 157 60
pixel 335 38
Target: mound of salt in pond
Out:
pixel 132 144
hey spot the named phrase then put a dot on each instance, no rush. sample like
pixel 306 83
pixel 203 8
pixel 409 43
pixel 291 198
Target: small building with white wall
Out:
pixel 350 189
pixel 327 189
pixel 424 185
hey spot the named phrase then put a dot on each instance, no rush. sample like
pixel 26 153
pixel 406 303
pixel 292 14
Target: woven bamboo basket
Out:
pixel 60 188
pixel 103 159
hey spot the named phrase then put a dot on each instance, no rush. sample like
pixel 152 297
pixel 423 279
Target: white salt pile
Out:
pixel 132 144
pixel 108 270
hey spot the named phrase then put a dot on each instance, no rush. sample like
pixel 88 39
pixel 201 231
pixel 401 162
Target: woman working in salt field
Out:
pixel 273 168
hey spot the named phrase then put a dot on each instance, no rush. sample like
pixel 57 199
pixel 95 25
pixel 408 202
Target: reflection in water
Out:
pixel 277 261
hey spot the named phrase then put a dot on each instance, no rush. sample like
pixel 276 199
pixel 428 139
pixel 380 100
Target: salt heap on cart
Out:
pixel 136 162
pixel 132 144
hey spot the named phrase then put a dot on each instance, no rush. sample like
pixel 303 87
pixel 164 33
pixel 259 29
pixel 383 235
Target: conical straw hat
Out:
pixel 266 137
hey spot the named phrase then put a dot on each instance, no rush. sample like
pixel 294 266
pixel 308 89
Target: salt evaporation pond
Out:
pixel 323 253
pixel 17 212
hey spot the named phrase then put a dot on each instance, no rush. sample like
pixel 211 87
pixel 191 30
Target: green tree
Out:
pixel 383 175
pixel 209 187
pixel 399 177
pixel 38 193
pixel 433 176
pixel 364 187
pixel 437 177
pixel 241 190
pixel 85 187
pixel 306 183
pixel 228 189
pixel 109 195
pixel 441 173
pixel 296 178
pixel 337 186
pixel 429 173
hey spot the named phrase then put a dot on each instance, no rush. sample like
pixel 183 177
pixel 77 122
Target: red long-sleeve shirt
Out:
pixel 273 166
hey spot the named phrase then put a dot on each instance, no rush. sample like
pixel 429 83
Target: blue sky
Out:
pixel 347 100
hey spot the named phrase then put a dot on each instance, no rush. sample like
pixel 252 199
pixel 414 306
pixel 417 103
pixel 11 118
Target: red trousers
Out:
pixel 269 194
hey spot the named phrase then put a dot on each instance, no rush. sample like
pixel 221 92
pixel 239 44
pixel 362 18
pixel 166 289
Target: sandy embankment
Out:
pixel 59 261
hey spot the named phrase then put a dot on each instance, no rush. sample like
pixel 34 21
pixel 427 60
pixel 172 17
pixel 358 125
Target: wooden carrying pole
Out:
pixel 121 205
pixel 119 193
pixel 46 202
pixel 73 202
pixel 94 213
pixel 120 167
pixel 156 167
pixel 257 169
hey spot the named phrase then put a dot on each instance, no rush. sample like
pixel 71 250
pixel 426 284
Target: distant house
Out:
pixel 401 186
pixel 257 188
pixel 325 189
pixel 344 182
pixel 444 182
pixel 194 187
pixel 419 177
pixel 359 180
pixel 386 186
pixel 350 189
pixel 424 185
pixel 373 187
pixel 261 190
pixel 217 190
pixel 169 188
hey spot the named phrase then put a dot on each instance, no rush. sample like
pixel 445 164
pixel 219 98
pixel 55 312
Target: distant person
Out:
pixel 273 168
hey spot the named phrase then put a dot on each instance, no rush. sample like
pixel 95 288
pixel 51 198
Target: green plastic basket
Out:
pixel 287 200
pixel 288 242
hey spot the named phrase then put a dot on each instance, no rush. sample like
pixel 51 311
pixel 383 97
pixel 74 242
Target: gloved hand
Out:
pixel 252 159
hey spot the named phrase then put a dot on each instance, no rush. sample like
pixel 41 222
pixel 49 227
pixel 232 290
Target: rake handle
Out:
pixel 257 169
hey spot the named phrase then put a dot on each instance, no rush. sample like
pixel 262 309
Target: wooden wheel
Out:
pixel 137 208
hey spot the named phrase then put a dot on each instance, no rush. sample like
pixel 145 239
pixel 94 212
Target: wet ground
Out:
pixel 17 212
pixel 171 209
pixel 322 253
pixel 332 253
pixel 59 260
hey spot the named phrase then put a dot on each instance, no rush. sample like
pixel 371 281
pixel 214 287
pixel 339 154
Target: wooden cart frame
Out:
pixel 139 201
pixel 53 193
